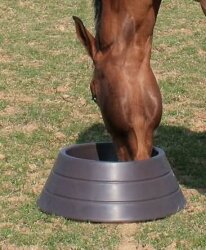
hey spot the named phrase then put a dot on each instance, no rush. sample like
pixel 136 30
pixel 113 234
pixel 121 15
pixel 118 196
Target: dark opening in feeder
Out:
pixel 88 183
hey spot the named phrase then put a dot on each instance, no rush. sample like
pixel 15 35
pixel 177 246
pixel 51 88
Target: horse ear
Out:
pixel 203 4
pixel 85 37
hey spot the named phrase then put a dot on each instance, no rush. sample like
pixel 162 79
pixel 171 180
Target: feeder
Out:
pixel 87 183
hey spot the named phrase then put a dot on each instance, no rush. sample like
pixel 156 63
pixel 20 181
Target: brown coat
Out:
pixel 123 84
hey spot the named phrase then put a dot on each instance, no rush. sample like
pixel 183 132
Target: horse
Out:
pixel 123 84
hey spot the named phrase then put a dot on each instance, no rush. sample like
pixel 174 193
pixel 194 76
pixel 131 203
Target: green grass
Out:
pixel 45 103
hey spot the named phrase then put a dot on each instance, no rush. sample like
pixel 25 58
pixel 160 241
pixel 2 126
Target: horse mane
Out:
pixel 98 11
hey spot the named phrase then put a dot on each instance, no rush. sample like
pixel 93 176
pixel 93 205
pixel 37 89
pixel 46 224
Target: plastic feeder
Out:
pixel 88 183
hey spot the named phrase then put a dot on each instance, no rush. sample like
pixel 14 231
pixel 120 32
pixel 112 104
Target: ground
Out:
pixel 45 104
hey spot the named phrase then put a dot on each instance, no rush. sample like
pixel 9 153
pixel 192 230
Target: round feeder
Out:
pixel 88 183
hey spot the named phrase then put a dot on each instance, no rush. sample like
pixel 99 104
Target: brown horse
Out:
pixel 123 84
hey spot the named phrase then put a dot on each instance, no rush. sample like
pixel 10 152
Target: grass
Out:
pixel 45 103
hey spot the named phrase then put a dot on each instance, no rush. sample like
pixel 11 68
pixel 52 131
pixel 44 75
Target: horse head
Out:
pixel 124 87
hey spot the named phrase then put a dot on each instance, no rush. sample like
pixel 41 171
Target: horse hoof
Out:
pixel 88 183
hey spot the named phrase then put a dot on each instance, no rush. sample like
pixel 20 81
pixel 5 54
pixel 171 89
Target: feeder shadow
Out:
pixel 185 150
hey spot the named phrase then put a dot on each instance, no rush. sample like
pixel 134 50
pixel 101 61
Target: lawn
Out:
pixel 45 104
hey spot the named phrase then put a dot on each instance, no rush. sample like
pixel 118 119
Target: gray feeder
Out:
pixel 88 183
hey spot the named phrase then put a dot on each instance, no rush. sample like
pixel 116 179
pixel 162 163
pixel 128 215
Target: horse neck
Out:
pixel 126 22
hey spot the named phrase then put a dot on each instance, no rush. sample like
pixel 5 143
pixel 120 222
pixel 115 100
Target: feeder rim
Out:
pixel 64 151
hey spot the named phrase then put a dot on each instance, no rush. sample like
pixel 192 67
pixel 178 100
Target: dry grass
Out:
pixel 45 104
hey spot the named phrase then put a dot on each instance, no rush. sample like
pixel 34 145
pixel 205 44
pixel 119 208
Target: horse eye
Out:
pixel 94 98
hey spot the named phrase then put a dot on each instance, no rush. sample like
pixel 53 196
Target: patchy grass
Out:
pixel 45 104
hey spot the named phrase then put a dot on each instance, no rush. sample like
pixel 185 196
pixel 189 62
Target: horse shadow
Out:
pixel 185 150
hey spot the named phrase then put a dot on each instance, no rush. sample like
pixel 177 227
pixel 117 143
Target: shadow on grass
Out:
pixel 185 150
